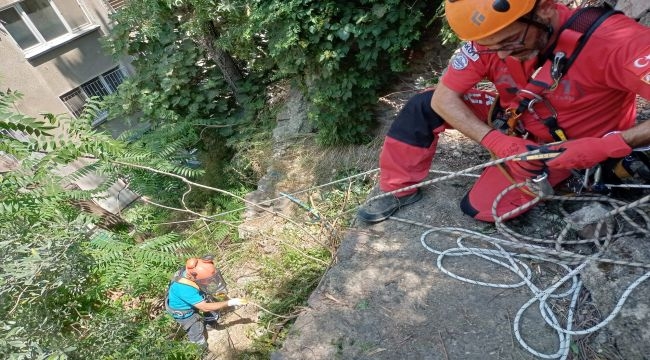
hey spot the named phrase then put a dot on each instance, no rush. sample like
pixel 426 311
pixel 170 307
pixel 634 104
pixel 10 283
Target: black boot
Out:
pixel 380 209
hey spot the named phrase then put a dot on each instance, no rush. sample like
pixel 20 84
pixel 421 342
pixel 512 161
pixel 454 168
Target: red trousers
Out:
pixel 410 145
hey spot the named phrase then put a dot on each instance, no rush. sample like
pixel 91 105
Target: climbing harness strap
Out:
pixel 179 278
pixel 557 60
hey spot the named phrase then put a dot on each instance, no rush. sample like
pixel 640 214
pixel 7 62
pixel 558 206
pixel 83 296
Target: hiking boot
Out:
pixel 381 209
pixel 211 319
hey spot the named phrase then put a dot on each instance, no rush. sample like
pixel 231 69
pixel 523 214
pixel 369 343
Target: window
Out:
pixel 115 4
pixel 103 85
pixel 40 25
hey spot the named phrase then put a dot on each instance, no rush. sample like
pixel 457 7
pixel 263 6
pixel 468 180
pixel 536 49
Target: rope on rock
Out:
pixel 525 248
pixel 272 313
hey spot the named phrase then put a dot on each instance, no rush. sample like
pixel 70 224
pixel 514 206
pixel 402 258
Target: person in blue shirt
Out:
pixel 191 291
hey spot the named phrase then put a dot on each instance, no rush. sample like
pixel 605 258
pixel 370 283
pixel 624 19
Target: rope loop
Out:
pixel 515 252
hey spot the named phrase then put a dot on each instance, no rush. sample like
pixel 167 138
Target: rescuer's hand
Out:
pixel 503 146
pixel 588 152
pixel 237 302
pixel 522 170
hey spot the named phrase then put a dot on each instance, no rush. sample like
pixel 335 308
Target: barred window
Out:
pixel 115 4
pixel 102 85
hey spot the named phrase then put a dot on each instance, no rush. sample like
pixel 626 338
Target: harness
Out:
pixel 557 60
pixel 179 278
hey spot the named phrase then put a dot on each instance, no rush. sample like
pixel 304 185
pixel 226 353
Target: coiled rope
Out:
pixel 551 251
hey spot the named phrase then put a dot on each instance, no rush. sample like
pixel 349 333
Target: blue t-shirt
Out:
pixel 183 297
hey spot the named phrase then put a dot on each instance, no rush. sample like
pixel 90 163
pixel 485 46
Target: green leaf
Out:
pixel 17 344
pixel 343 34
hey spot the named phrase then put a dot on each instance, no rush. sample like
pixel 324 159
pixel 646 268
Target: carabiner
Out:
pixel 538 99
pixel 543 185
pixel 557 69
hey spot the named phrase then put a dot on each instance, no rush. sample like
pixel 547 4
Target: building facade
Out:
pixel 50 51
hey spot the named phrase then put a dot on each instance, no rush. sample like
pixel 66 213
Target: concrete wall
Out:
pixel 45 77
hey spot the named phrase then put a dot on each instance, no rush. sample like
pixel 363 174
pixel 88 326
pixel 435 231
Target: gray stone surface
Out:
pixel 637 9
pixel 586 221
pixel 386 299
pixel 292 120
pixel 631 328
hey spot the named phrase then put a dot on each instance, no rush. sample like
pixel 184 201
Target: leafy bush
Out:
pixel 174 82
pixel 52 284
pixel 344 52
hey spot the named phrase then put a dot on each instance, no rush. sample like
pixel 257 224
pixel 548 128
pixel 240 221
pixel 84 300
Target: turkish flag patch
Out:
pixel 640 65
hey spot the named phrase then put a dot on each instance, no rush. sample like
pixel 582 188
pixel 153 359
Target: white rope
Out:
pixel 516 262
pixel 519 267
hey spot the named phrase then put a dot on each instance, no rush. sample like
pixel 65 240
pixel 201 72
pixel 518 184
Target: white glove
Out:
pixel 237 302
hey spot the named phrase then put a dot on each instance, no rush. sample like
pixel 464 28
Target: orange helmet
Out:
pixel 477 19
pixel 198 269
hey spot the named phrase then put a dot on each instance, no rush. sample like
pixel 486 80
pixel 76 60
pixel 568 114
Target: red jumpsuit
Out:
pixel 595 97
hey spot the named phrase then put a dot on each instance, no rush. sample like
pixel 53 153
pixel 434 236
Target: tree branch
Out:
pixel 191 183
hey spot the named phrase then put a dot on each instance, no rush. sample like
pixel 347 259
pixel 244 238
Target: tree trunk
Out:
pixel 224 61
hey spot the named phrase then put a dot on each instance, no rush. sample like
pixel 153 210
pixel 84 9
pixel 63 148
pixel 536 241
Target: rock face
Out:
pixel 631 327
pixel 292 120
pixel 637 9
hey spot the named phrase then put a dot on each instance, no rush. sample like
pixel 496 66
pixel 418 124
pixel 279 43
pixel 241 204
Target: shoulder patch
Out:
pixel 459 61
pixel 469 50
pixel 640 65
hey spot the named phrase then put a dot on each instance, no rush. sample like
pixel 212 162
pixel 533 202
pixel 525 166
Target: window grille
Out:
pixel 113 78
pixel 95 87
pixel 74 101
pixel 115 4
pixel 102 85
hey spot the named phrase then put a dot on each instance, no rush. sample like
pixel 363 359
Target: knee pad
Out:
pixel 416 123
